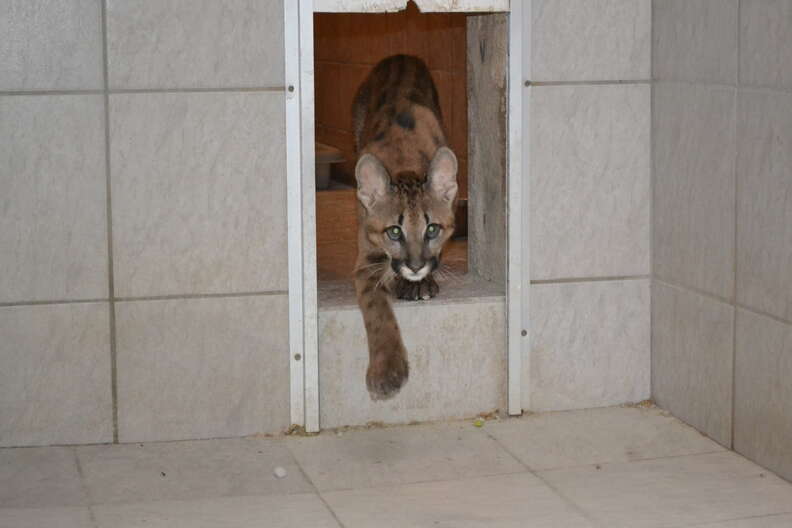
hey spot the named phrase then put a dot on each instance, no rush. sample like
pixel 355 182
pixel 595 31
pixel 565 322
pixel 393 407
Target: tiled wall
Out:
pixel 589 164
pixel 142 220
pixel 722 125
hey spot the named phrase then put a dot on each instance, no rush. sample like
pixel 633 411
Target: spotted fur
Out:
pixel 407 190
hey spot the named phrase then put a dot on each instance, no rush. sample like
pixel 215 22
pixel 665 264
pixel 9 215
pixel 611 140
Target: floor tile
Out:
pixel 771 521
pixel 69 517
pixel 391 456
pixel 188 470
pixel 39 478
pixel 677 491
pixel 517 500
pixel 614 434
pixel 299 510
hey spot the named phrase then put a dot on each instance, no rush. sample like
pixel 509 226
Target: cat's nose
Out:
pixel 415 267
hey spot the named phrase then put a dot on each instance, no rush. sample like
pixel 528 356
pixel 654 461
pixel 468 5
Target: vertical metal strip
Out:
pixel 310 308
pixel 517 277
pixel 294 204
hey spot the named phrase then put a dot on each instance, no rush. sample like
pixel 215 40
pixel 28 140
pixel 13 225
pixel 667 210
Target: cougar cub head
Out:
pixel 409 216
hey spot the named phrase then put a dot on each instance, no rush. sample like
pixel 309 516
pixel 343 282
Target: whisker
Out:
pixel 374 271
pixel 380 281
pixel 358 268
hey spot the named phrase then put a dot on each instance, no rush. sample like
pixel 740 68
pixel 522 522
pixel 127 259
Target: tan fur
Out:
pixel 406 179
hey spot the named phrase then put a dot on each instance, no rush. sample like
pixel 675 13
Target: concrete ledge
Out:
pixel 457 351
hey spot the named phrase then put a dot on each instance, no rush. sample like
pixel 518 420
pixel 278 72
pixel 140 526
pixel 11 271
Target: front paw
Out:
pixel 416 291
pixel 386 375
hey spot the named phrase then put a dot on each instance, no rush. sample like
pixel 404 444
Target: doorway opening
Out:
pixel 495 257
pixel 467 56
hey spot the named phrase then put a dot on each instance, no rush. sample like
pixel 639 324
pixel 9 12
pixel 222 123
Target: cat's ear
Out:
pixel 442 177
pixel 372 180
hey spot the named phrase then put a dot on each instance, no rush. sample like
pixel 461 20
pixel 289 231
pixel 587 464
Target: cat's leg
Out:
pixel 388 368
pixel 416 290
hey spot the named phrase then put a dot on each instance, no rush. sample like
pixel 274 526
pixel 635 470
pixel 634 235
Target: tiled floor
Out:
pixel 605 468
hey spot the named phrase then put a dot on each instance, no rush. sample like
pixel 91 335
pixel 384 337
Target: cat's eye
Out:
pixel 394 232
pixel 432 230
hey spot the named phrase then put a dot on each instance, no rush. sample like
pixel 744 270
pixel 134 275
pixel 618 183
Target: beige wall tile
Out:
pixel 53 241
pixel 199 193
pixel 589 345
pixel 587 40
pixel 195 43
pixel 695 40
pixel 202 368
pixel 766 43
pixel 762 392
pixel 590 164
pixel 692 359
pixel 695 142
pixel 764 202
pixel 55 374
pixel 50 45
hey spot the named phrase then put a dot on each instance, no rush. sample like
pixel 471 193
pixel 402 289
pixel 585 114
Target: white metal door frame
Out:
pixel 301 205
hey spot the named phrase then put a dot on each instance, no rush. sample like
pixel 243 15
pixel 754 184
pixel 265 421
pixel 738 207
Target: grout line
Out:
pixel 736 189
pixel 689 82
pixel 201 296
pixel 652 189
pixel 51 302
pixel 764 314
pixel 275 435
pixel 12 93
pixel 586 83
pixel 327 505
pixel 749 518
pixel 231 89
pixel 577 508
pixel 147 298
pixel 387 485
pixel 382 486
pixel 703 293
pixel 761 88
pixel 84 487
pixel 315 488
pixel 109 226
pixel 591 279
pixel 235 89
pixel 723 300
pixel 720 449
